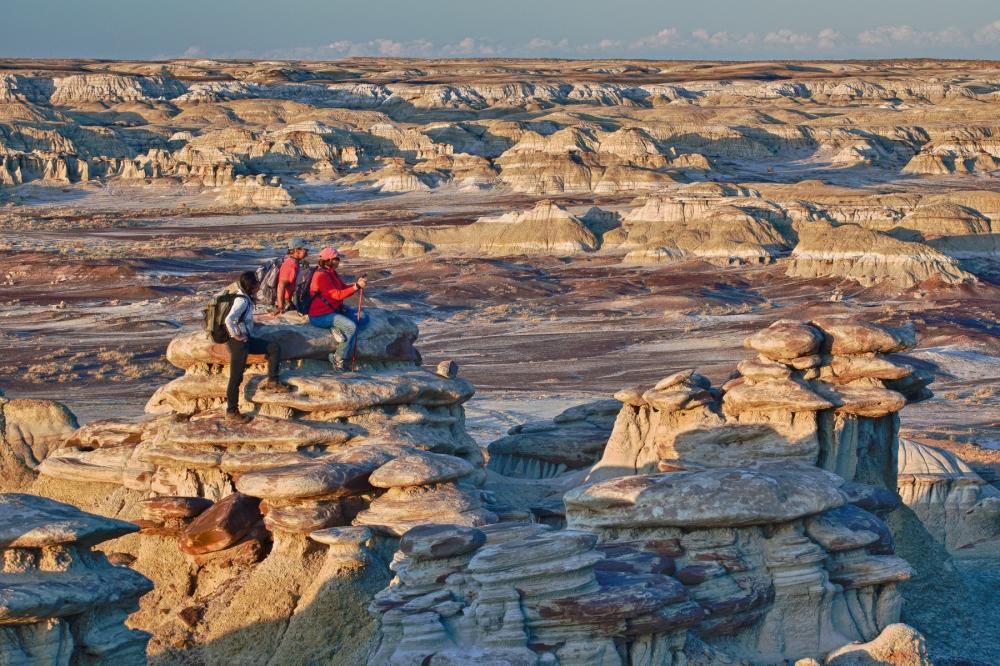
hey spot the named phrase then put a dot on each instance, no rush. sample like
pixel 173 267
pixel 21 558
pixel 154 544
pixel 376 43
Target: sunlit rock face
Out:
pixel 277 136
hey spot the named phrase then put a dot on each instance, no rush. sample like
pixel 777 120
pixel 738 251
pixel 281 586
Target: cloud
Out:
pixel 665 37
pixel 828 38
pixel 989 33
pixel 788 38
pixel 905 35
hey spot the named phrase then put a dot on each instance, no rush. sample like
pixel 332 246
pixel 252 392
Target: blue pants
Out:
pixel 344 321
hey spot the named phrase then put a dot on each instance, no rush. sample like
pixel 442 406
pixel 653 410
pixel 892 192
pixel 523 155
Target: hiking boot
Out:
pixel 275 386
pixel 338 363
pixel 236 417
pixel 338 336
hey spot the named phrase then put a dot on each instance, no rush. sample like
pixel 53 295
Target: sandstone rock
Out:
pixel 851 336
pixel 262 433
pixel 303 517
pixel 387 337
pixel 762 369
pixel 348 394
pixel 785 339
pixel 861 399
pixel 32 428
pixel 160 509
pixel 30 521
pixel 440 541
pixel 898 644
pixel 781 394
pixel 401 509
pixel 447 369
pixel 709 498
pixel 222 525
pixel 60 602
pixel 849 368
pixel 419 469
pixel 318 479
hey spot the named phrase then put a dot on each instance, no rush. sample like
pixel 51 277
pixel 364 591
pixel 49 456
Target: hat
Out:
pixel 329 253
pixel 296 243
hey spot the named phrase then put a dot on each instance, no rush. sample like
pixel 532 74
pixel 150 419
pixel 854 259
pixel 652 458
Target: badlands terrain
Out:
pixel 559 229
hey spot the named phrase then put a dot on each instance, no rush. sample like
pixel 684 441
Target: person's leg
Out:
pixel 322 321
pixel 237 366
pixel 349 329
pixel 273 352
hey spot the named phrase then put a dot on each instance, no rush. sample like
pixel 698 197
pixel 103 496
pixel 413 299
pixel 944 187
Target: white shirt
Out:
pixel 239 321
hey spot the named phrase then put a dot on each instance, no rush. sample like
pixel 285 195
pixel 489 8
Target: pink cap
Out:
pixel 329 253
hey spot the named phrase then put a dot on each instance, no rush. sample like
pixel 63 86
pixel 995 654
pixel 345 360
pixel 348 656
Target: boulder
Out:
pixel 849 368
pixel 770 493
pixel 400 509
pixel 30 428
pixel 313 479
pixel 222 525
pixel 160 509
pixel 303 517
pixel 898 645
pixel 785 339
pixel 347 394
pixel 864 398
pixel 850 336
pixel 440 541
pixel 420 469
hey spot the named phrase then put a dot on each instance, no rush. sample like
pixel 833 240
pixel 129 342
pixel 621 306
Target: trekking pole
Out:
pixel 354 352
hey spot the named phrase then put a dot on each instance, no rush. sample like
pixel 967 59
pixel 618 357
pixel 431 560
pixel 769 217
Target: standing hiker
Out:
pixel 288 274
pixel 239 324
pixel 326 310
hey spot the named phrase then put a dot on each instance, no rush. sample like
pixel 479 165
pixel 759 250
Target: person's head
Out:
pixel 298 248
pixel 248 282
pixel 329 258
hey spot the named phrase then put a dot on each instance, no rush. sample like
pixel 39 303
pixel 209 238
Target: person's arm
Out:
pixel 286 280
pixel 338 291
pixel 234 320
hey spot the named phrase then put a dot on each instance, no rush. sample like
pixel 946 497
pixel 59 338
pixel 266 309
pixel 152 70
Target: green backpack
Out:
pixel 215 317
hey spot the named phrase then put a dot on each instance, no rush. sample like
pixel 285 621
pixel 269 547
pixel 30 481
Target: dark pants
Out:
pixel 238 352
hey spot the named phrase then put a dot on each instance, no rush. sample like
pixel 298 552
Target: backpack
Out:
pixel 302 296
pixel 267 279
pixel 215 316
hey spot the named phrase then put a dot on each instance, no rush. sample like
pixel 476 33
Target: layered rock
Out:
pixel 870 257
pixel 302 500
pixel 747 545
pixel 545 229
pixel 61 602
pixel 956 506
pixel 572 440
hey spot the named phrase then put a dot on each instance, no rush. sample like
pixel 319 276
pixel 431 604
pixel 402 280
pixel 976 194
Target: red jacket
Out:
pixel 326 283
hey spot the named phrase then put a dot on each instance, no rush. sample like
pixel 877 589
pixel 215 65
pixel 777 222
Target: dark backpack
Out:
pixel 215 316
pixel 267 280
pixel 302 297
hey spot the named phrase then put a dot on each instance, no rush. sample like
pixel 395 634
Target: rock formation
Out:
pixel 301 501
pixel 61 602
pixel 955 504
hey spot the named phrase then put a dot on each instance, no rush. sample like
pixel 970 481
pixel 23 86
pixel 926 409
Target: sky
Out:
pixel 664 29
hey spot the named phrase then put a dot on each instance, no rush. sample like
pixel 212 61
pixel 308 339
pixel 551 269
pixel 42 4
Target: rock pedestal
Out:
pixel 61 602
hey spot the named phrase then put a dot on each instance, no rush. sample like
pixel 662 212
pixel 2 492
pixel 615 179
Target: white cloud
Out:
pixel 989 33
pixel 788 38
pixel 665 37
pixel 905 35
pixel 828 38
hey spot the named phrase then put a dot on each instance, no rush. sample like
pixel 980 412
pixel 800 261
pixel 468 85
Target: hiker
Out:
pixel 326 310
pixel 288 274
pixel 239 324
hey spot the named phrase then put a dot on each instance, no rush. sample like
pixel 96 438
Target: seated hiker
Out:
pixel 288 274
pixel 326 310
pixel 239 324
